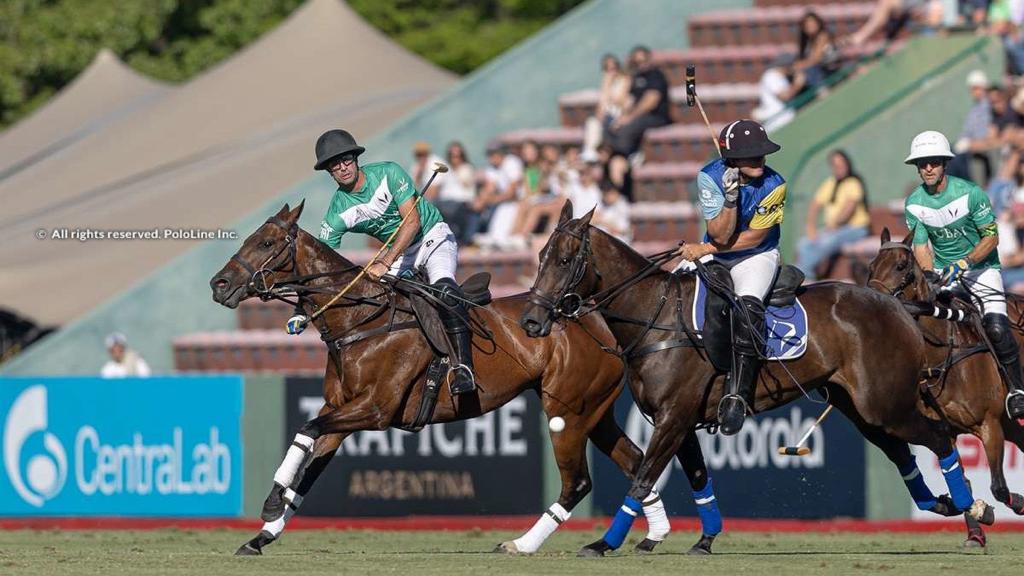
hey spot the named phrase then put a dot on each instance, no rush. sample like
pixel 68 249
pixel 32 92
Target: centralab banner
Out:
pixel 164 446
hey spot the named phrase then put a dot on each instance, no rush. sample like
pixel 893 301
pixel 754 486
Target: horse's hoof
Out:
pixel 508 547
pixel 982 512
pixel 594 550
pixel 975 539
pixel 646 546
pixel 1016 503
pixel 702 547
pixel 248 549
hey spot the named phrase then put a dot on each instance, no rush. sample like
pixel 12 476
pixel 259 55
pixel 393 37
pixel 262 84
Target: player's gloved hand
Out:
pixel 954 271
pixel 296 324
pixel 731 185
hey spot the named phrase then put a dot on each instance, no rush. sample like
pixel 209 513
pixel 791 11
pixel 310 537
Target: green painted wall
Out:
pixel 519 89
pixel 263 421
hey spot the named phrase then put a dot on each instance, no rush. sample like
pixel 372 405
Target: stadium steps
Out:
pixel 722 102
pixel 771 25
pixel 675 142
pixel 803 3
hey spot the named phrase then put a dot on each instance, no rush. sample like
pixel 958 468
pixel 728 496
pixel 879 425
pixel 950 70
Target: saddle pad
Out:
pixel 785 326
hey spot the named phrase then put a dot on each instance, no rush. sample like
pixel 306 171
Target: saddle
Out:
pixel 476 289
pixel 717 329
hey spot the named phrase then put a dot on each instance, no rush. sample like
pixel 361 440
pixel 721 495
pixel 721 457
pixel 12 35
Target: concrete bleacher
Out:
pixel 722 102
pixel 772 25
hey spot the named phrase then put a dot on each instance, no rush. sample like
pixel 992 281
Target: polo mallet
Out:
pixel 800 449
pixel 439 168
pixel 692 98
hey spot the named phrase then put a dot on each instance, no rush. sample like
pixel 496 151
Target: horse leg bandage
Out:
pixel 919 491
pixel 545 526
pixel 657 521
pixel 293 460
pixel 707 509
pixel 292 501
pixel 622 522
pixel 954 474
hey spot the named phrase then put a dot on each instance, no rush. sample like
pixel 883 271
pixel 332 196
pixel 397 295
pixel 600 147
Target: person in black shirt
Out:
pixel 649 108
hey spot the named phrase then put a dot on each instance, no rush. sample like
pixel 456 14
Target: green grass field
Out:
pixel 333 552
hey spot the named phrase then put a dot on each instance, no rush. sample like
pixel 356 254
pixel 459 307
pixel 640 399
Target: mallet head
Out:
pixel 691 84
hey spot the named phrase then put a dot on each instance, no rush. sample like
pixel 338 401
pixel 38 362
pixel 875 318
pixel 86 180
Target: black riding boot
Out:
pixel 456 323
pixel 746 363
pixel 997 327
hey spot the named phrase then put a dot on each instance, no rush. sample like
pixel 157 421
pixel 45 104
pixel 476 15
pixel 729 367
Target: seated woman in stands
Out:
pixel 613 97
pixel 817 55
pixel 843 200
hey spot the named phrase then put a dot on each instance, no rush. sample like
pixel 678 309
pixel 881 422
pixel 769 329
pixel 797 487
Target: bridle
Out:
pixel 569 303
pixel 908 277
pixel 258 275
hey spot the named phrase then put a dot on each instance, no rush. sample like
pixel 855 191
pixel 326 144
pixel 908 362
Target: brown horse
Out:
pixel 969 392
pixel 852 355
pixel 378 362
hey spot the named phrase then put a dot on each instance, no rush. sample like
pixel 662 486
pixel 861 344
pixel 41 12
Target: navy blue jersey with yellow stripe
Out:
pixel 760 205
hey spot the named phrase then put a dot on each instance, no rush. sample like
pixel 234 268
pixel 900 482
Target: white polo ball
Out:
pixel 556 424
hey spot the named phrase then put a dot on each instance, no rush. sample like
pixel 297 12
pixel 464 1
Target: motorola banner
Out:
pixel 751 479
pixel 126 447
pixel 488 465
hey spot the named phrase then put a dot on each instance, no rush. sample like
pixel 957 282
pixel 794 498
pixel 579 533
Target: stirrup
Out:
pixel 746 406
pixel 455 368
pixel 1006 403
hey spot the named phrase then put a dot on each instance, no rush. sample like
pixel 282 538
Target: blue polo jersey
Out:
pixel 760 204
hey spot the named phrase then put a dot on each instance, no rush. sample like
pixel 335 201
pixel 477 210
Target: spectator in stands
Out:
pixel 842 199
pixel 545 182
pixel 497 203
pixel 891 17
pixel 612 215
pixel 586 195
pixel 616 171
pixel 974 134
pixel 776 90
pixel 1006 24
pixel 123 360
pixel 817 55
pixel 422 167
pixel 648 108
pixel 455 197
pixel 613 97
pixel 1005 126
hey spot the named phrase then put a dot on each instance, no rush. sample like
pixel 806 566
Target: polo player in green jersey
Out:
pixel 956 217
pixel 373 199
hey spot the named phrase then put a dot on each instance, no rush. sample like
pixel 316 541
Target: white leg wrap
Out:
pixel 293 460
pixel 544 527
pixel 277 526
pixel 657 520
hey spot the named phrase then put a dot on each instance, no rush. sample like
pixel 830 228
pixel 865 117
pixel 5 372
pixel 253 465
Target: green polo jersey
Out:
pixel 373 209
pixel 953 220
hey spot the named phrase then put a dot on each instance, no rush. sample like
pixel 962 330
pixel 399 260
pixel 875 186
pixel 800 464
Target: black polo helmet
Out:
pixel 334 143
pixel 745 139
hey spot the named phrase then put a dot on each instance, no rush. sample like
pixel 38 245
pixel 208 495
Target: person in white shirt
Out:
pixel 586 195
pixel 498 200
pixel 422 168
pixel 123 360
pixel 455 197
pixel 775 90
pixel 612 215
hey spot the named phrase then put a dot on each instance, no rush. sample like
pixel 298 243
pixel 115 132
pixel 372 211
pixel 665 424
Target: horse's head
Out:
pixel 265 255
pixel 565 277
pixel 895 271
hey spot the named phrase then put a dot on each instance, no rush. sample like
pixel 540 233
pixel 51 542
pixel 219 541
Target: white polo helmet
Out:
pixel 929 144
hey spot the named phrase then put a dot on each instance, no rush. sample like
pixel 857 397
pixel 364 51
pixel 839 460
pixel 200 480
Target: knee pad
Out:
pixel 997 326
pixel 449 291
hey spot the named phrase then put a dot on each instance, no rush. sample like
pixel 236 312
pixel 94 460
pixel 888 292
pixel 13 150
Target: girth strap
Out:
pixel 339 343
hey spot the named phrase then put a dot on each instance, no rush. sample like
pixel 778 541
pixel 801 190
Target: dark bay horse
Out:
pixel 970 393
pixel 865 351
pixel 375 381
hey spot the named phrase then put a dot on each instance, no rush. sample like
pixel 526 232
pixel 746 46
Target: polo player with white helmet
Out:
pixel 956 217
pixel 742 201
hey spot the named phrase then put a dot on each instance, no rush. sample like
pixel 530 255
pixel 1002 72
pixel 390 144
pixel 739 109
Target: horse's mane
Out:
pixel 334 259
pixel 633 257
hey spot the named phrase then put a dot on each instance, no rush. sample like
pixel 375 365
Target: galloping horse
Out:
pixel 967 386
pixel 379 360
pixel 851 354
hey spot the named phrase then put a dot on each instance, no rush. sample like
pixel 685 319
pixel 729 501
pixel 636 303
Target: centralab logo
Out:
pixel 45 472
pixel 37 464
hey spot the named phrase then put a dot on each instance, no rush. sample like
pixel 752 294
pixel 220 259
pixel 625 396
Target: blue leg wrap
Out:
pixel 919 490
pixel 622 522
pixel 954 474
pixel 707 509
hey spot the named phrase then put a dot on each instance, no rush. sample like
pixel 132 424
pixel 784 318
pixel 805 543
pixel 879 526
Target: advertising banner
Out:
pixel 488 465
pixel 165 446
pixel 751 479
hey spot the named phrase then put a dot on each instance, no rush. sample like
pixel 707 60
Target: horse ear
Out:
pixel 886 237
pixel 294 216
pixel 566 214
pixel 283 211
pixel 909 240
pixel 585 220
